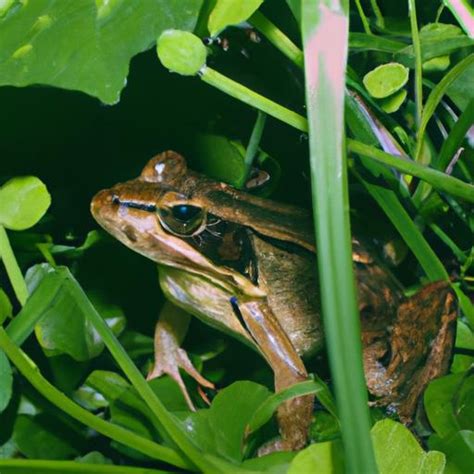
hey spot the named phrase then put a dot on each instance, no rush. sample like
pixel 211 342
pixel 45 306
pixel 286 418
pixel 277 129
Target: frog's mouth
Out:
pixel 136 224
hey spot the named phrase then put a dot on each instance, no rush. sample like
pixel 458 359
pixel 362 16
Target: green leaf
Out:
pixel 230 12
pixel 63 327
pixel 464 340
pixel 220 430
pixel 270 405
pixel 181 52
pixel 321 458
pixel 6 381
pixel 218 157
pixel 84 45
pixel 393 102
pixel 385 80
pixel 41 437
pixel 459 451
pixel 23 201
pixel 449 403
pixel 398 452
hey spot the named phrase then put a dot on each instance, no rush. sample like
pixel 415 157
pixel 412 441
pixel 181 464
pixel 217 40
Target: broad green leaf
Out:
pixel 271 404
pixel 459 451
pixel 63 327
pixel 23 201
pixel 6 381
pixel 274 463
pixel 460 91
pixel 393 102
pixel 220 430
pixel 398 452
pixel 439 31
pixel 230 12
pixel 320 458
pixel 218 157
pixel 449 403
pixel 385 80
pixel 181 52
pixel 42 437
pixel 84 45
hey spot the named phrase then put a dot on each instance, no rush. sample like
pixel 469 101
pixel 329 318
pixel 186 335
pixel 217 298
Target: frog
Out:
pixel 246 265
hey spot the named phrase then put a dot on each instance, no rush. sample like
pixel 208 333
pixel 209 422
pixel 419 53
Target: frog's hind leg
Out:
pixel 421 345
pixel 170 331
pixel 295 415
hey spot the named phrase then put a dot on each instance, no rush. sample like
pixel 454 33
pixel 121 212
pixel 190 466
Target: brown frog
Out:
pixel 247 266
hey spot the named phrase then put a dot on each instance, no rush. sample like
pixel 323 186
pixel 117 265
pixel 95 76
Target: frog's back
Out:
pixel 287 274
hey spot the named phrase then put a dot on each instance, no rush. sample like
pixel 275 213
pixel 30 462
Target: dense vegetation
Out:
pixel 86 102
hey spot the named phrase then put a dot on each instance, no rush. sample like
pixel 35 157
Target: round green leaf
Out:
pixel 23 202
pixel 181 52
pixel 392 103
pixel 230 12
pixel 386 79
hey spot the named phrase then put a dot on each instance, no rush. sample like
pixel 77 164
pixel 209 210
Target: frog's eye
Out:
pixel 183 220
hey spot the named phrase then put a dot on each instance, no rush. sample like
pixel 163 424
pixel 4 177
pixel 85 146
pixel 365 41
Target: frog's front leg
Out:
pixel 294 416
pixel 170 331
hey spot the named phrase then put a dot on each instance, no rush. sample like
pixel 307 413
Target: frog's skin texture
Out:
pixel 247 266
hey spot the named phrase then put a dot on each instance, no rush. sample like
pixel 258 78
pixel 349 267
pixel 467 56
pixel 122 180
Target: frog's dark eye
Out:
pixel 185 212
pixel 183 220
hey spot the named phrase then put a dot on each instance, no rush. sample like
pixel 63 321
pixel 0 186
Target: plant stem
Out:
pixel 31 372
pixel 254 142
pixel 277 38
pixel 378 14
pixel 464 13
pixel 13 270
pixel 365 22
pixel 42 466
pixel 248 96
pixel 418 61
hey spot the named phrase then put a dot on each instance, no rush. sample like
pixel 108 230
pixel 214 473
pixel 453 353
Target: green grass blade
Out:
pixel 435 97
pixel 325 37
pixel 437 179
pixel 456 136
pixel 41 466
pixel 418 61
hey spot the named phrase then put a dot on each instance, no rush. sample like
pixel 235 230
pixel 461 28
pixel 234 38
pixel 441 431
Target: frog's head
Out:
pixel 164 215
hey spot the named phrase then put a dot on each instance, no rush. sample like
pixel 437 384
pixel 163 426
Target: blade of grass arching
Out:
pixel 31 372
pixel 438 179
pixel 435 97
pixel 456 136
pixel 325 28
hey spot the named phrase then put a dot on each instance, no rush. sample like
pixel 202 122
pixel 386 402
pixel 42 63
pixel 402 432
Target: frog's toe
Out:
pixel 170 365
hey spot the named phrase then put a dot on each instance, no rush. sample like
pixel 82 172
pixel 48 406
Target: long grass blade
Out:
pixel 325 37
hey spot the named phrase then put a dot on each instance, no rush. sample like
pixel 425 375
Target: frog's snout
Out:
pixel 101 204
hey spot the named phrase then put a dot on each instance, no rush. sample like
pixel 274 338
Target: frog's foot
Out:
pixel 169 357
pixel 169 362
